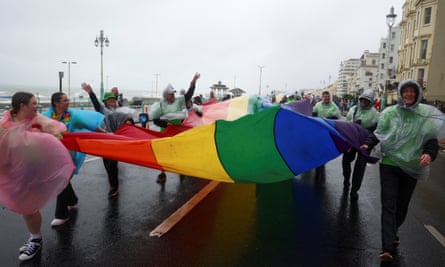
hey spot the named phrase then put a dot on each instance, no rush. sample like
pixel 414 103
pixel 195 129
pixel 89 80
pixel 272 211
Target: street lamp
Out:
pixel 69 73
pixel 261 72
pixel 99 42
pixel 390 20
pixel 156 90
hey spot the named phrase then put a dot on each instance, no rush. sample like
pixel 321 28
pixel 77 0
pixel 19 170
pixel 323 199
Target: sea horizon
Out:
pixel 45 92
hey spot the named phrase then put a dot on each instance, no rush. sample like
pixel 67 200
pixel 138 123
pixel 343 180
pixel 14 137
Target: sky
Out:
pixel 284 45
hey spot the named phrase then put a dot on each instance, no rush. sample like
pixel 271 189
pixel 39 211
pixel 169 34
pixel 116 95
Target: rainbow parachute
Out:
pixel 271 145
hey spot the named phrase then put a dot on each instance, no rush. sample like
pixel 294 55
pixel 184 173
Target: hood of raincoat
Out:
pixel 168 90
pixel 417 88
pixel 368 95
pixel 115 120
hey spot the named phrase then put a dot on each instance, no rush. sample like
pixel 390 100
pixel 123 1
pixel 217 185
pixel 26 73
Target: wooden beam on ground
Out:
pixel 171 221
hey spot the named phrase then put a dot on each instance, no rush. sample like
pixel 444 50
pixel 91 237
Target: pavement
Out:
pixel 300 222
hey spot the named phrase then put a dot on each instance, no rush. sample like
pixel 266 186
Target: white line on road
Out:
pixel 439 237
pixel 168 223
pixel 91 159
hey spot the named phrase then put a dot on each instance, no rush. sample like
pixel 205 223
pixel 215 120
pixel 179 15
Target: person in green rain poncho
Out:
pixel 326 108
pixel 171 110
pixel 408 134
pixel 364 114
pixel 329 110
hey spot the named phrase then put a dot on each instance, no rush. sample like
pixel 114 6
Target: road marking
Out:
pixel 439 237
pixel 175 217
pixel 91 159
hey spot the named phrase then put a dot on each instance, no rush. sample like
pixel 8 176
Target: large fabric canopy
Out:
pixel 271 145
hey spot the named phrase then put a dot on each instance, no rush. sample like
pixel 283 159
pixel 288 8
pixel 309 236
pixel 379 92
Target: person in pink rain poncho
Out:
pixel 34 165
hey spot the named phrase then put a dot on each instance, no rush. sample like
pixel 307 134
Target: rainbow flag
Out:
pixel 271 145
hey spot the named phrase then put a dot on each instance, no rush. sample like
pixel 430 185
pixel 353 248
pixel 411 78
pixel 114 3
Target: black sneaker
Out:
pixel 161 178
pixel 396 242
pixel 30 249
pixel 114 192
pixel 385 256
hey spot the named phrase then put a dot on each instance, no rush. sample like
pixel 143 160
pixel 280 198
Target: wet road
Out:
pixel 300 222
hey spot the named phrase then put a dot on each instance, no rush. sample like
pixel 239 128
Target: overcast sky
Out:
pixel 299 43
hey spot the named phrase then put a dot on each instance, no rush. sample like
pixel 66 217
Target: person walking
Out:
pixel 408 133
pixel 28 176
pixel 75 121
pixel 365 115
pixel 108 107
pixel 171 110
pixel 326 108
pixel 329 110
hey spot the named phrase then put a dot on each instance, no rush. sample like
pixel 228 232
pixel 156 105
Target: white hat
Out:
pixel 169 90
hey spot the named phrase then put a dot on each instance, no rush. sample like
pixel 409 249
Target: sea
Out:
pixel 45 92
pixel 76 95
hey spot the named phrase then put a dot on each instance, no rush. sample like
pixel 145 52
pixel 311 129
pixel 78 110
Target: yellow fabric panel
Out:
pixel 191 153
pixel 237 107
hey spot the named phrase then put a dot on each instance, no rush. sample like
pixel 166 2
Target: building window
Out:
pixel 393 35
pixel 382 66
pixel 390 60
pixel 420 74
pixel 383 55
pixel 427 17
pixel 423 49
pixel 416 22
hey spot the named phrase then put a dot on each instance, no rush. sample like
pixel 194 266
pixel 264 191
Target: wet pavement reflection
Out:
pixel 306 221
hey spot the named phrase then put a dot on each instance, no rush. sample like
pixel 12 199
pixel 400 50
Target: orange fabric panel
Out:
pixel 137 152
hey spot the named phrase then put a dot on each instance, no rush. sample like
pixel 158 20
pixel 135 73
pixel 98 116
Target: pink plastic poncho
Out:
pixel 34 165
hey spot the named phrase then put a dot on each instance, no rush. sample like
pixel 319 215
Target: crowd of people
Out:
pixel 406 134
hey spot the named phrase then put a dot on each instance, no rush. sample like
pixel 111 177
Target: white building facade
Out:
pixel 367 73
pixel 388 60
pixel 346 76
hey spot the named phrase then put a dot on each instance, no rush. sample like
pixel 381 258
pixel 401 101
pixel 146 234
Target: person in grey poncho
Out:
pixel 113 120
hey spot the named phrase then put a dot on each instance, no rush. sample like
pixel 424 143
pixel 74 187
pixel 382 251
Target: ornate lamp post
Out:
pixel 99 42
pixel 69 74
pixel 261 72
pixel 390 20
pixel 156 88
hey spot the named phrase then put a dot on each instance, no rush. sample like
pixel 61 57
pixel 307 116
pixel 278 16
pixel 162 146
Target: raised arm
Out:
pixel 189 94
pixel 87 88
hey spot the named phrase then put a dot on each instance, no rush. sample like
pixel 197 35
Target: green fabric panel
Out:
pixel 251 142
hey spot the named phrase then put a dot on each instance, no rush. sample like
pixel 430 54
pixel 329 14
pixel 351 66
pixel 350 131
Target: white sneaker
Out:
pixel 58 222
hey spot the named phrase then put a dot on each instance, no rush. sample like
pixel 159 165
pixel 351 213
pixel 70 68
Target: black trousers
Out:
pixel 66 198
pixel 397 188
pixel 359 168
pixel 112 172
